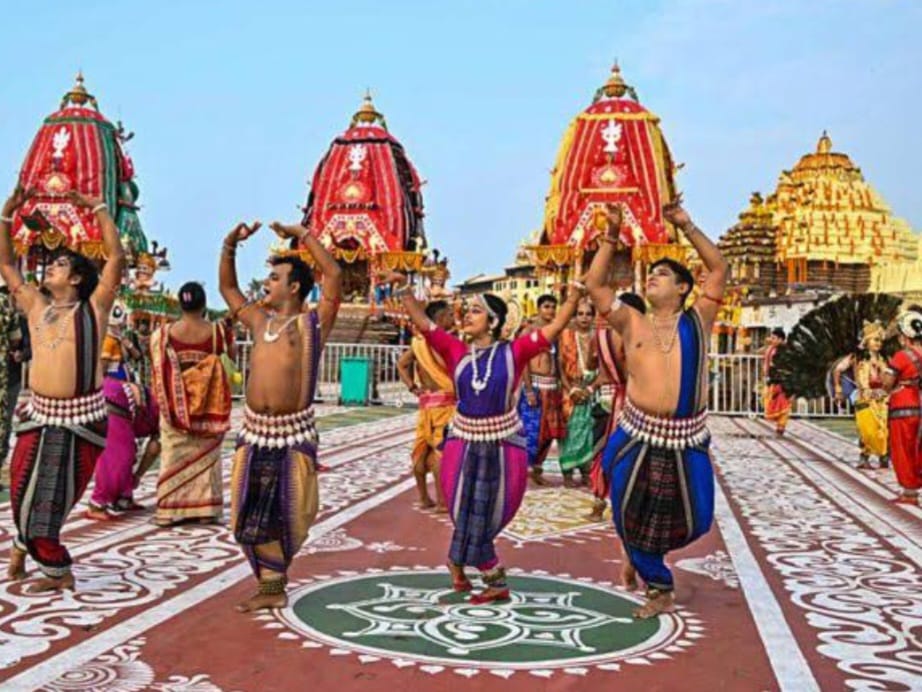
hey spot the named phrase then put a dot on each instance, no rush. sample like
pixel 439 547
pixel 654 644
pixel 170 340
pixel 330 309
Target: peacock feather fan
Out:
pixel 824 335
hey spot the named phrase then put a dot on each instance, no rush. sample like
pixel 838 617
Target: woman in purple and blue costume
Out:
pixel 662 483
pixel 484 461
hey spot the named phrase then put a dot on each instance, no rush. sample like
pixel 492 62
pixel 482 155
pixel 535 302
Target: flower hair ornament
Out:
pixel 482 302
pixel 910 324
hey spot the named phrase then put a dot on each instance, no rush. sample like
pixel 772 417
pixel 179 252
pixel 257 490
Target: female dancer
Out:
pixel 484 462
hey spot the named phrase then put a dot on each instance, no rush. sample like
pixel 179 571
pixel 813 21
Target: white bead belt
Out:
pixel 79 410
pixel 545 383
pixel 486 429
pixel 286 430
pixel 658 431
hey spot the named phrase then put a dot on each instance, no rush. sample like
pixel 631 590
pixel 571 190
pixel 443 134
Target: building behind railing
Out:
pixel 736 380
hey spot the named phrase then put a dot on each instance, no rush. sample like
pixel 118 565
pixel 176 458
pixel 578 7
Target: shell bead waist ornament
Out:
pixel 671 433
pixel 277 432
pixel 487 428
pixel 80 410
pixel 546 383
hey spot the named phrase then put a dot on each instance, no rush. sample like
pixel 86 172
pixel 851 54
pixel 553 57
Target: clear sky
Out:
pixel 233 103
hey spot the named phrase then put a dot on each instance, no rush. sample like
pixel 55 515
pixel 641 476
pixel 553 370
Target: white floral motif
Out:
pixel 717 566
pixel 863 598
pixel 123 670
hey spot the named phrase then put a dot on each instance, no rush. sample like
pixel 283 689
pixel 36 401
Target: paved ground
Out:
pixel 809 580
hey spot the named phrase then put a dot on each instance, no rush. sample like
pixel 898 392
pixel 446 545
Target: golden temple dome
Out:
pixel 367 114
pixel 615 87
pixel 825 224
pixel 78 95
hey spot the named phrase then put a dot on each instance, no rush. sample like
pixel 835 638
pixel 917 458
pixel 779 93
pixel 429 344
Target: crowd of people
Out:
pixel 618 381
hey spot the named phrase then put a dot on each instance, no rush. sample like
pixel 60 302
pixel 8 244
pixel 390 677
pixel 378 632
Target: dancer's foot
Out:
pixel 46 584
pixel 440 509
pixel 657 602
pixel 779 431
pixel 584 480
pixel 906 500
pixel 16 570
pixel 459 580
pixel 568 482
pixel 864 466
pixel 262 601
pixel 537 476
pixel 426 503
pixel 884 462
pixel 128 505
pixel 97 513
pixel 491 594
pixel 629 576
pixel 598 511
pixel 320 468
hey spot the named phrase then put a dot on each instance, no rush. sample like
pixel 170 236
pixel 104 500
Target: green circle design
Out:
pixel 415 615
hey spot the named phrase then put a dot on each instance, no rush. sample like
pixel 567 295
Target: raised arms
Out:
pixel 26 295
pixel 712 294
pixel 114 269
pixel 603 297
pixel 331 285
pixel 227 272
pixel 565 313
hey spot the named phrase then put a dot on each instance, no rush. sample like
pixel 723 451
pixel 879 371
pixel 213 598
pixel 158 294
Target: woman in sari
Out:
pixel 484 461
pixel 193 393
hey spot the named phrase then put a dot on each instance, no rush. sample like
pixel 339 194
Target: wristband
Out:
pixel 99 207
pixel 6 219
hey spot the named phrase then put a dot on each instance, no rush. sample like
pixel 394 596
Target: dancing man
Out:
pixel 541 407
pixel 64 428
pixel 776 403
pixel 425 375
pixel 662 483
pixel 484 462
pixel 274 496
pixel 903 380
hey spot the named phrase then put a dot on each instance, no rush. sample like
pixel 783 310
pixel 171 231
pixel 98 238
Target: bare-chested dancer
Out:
pixel 662 483
pixel 425 374
pixel 274 496
pixel 64 429
pixel 541 406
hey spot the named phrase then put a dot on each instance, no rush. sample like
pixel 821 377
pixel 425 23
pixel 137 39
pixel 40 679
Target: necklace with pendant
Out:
pixel 478 384
pixel 271 337
pixel 46 322
pixel 663 347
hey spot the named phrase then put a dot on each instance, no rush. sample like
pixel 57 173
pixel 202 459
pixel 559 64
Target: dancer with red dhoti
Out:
pixel 902 380
pixel 63 430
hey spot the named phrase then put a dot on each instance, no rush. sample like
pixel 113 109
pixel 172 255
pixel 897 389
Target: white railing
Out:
pixel 386 385
pixel 736 385
pixel 736 380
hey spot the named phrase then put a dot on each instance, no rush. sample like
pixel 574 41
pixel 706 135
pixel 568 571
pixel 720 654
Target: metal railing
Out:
pixel 736 380
pixel 737 383
pixel 386 385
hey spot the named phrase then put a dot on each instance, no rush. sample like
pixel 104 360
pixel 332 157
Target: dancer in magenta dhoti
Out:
pixel 484 461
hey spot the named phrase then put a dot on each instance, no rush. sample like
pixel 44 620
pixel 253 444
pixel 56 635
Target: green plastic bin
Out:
pixel 355 380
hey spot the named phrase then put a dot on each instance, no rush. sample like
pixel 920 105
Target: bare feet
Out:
pixel 97 513
pixel 537 476
pixel 16 570
pixel 262 602
pixel 568 482
pixel 657 603
pixel 426 503
pixel 598 511
pixel 629 576
pixel 491 594
pixel 46 584
pixel 459 580
pixel 906 500
pixel 441 509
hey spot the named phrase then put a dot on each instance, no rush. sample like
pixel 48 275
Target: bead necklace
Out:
pixel 478 384
pixel 271 337
pixel 46 321
pixel 666 348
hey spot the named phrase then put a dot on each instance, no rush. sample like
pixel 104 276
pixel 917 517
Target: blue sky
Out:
pixel 233 103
